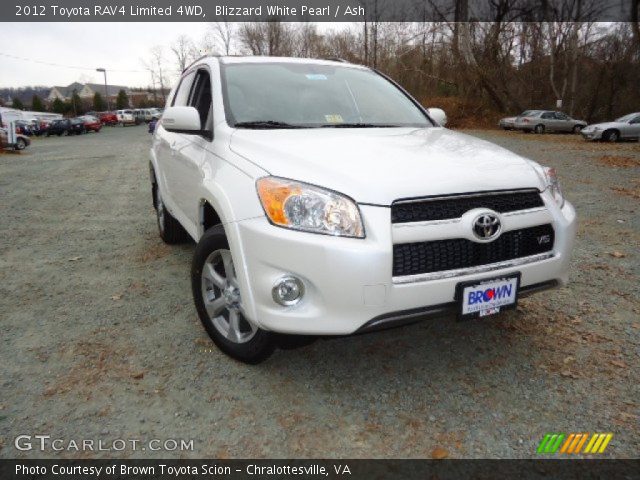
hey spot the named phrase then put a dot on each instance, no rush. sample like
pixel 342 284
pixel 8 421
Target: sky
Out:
pixel 118 47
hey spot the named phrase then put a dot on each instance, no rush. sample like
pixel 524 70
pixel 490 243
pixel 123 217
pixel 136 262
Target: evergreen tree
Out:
pixel 37 104
pixel 76 103
pixel 99 105
pixel 58 106
pixel 17 104
pixel 122 101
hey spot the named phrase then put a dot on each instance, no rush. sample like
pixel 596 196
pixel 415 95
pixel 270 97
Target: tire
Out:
pixel 577 129
pixel 20 144
pixel 539 129
pixel 170 230
pixel 611 136
pixel 218 302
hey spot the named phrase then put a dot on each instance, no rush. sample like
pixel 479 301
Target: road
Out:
pixel 100 339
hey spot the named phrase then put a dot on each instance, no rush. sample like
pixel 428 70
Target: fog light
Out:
pixel 288 291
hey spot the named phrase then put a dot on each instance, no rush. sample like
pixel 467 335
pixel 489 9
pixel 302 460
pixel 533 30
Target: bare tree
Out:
pixel 154 65
pixel 267 38
pixel 224 33
pixel 185 52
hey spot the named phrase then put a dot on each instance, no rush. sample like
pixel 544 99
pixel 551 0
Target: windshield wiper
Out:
pixel 359 125
pixel 266 124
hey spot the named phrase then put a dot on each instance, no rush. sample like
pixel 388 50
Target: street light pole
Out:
pixel 106 93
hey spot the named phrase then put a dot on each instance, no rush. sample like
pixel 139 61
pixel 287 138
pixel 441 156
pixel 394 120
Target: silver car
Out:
pixel 22 141
pixel 508 123
pixel 623 128
pixel 541 121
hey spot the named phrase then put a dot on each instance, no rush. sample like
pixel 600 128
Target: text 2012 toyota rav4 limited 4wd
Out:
pixel 326 201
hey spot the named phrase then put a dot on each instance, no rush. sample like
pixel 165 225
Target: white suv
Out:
pixel 326 201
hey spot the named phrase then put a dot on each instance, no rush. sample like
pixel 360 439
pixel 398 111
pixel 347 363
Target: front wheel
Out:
pixel 611 136
pixel 20 144
pixel 220 307
pixel 577 129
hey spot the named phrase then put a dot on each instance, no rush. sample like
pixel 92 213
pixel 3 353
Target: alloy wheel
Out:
pixel 221 297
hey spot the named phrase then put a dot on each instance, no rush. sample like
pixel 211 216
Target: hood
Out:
pixel 603 125
pixel 380 165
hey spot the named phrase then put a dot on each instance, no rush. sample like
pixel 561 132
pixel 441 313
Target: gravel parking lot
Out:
pixel 100 339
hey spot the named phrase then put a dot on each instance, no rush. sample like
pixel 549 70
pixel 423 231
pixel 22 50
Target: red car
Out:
pixel 108 118
pixel 91 124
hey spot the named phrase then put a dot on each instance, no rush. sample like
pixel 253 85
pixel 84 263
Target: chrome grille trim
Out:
pixel 422 277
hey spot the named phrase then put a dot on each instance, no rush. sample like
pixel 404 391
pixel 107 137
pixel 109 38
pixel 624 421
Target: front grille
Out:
pixel 455 253
pixel 455 207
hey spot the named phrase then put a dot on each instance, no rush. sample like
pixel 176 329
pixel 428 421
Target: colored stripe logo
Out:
pixel 573 443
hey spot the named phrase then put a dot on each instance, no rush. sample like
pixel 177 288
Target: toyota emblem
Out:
pixel 487 226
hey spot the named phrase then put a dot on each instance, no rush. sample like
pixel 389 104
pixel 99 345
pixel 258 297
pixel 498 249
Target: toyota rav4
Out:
pixel 325 200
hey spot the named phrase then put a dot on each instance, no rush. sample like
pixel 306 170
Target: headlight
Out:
pixel 553 185
pixel 300 206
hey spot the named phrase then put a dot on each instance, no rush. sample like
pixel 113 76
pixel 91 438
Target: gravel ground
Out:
pixel 100 339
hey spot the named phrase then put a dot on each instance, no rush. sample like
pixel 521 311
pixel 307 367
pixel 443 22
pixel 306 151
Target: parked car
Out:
pixel 21 141
pixel 541 121
pixel 127 117
pixel 91 123
pixel 59 127
pixel 139 115
pixel 508 123
pixel 24 128
pixel 326 201
pixel 108 118
pixel 77 126
pixel 623 128
pixel 150 113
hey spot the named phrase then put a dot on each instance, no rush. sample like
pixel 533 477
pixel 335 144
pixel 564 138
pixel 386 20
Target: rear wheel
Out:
pixel 169 228
pixel 611 136
pixel 539 129
pixel 220 307
pixel 577 129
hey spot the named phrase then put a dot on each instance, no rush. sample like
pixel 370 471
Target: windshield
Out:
pixel 626 118
pixel 307 95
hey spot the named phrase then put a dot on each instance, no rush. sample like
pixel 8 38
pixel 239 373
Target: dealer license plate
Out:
pixel 487 297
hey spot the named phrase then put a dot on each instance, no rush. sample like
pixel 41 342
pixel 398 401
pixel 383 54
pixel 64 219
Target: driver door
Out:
pixel 632 129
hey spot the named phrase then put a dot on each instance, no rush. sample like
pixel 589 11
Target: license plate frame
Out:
pixel 486 282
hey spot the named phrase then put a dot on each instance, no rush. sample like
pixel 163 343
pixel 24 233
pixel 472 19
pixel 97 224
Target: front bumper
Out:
pixel 592 135
pixel 348 282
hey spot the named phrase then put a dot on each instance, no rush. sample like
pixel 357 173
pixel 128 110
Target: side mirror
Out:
pixel 438 115
pixel 182 120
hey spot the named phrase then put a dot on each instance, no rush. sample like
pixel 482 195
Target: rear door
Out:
pixel 167 146
pixel 548 119
pixel 189 172
pixel 563 122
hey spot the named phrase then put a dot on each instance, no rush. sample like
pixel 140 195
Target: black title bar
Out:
pixel 318 469
pixel 318 10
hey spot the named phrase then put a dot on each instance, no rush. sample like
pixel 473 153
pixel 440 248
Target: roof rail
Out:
pixel 197 60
